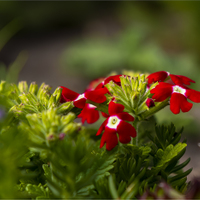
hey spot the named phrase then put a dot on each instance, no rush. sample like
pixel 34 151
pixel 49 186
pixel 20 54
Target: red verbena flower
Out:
pixel 95 92
pixel 162 75
pixel 114 124
pixel 179 95
pixel 69 95
pixel 98 96
pixel 89 114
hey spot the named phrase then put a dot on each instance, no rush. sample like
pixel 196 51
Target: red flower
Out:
pixel 69 95
pixel 95 92
pixel 179 95
pixel 89 114
pixel 162 75
pixel 114 124
pixel 98 96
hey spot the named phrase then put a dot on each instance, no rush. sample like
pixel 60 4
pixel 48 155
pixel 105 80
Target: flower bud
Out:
pixel 23 86
pixel 61 136
pixel 150 103
pixel 33 88
pixel 65 107
pixel 55 98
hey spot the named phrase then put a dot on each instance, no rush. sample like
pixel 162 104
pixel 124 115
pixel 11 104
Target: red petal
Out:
pixel 193 95
pixel 180 80
pixel 105 115
pixel 179 101
pixel 115 108
pixel 89 114
pixel 115 79
pixel 125 116
pixel 110 138
pixel 102 127
pixel 97 95
pixel 162 91
pixel 157 76
pixel 68 95
pixel 80 103
pixel 125 131
pixel 101 85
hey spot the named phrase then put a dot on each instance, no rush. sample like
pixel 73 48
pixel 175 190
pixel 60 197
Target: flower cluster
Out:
pixel 95 92
pixel 174 87
pixel 116 120
pixel 170 86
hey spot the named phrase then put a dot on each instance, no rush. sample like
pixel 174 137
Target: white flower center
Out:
pixel 81 96
pixel 91 106
pixel 178 89
pixel 113 122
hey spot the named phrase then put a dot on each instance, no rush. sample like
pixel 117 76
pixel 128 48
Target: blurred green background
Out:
pixel 71 43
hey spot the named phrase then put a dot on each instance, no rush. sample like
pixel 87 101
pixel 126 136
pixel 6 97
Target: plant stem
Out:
pixel 135 140
pixel 154 109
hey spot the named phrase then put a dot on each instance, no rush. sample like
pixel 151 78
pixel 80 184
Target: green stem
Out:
pixel 154 109
pixel 136 125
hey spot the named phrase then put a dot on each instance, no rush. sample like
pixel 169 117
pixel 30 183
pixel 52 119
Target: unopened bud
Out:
pixel 150 103
pixel 55 98
pixel 50 137
pixel 23 86
pixel 61 136
pixel 33 88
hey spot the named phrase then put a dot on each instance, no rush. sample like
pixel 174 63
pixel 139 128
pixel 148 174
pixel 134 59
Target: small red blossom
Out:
pixel 89 114
pixel 179 95
pixel 69 95
pixel 162 75
pixel 79 100
pixel 150 103
pixel 95 92
pixel 114 124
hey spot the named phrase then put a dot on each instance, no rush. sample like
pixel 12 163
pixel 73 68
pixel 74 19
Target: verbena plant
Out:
pixel 46 154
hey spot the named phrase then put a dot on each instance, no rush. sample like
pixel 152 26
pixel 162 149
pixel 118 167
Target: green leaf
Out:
pixel 38 191
pixel 112 187
pixel 169 153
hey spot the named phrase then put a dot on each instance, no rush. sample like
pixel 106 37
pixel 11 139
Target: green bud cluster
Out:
pixel 46 130
pixel 31 99
pixel 132 93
